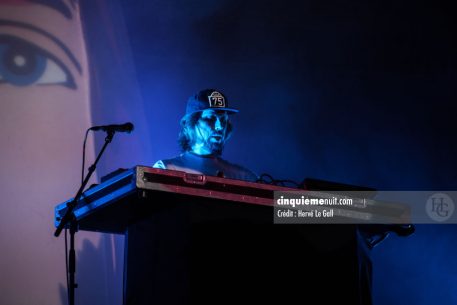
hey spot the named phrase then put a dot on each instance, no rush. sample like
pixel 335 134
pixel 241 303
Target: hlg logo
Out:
pixel 440 207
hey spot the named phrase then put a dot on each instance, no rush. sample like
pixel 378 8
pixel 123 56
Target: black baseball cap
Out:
pixel 207 99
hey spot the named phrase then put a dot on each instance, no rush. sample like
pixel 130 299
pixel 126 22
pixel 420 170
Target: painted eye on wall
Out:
pixel 23 64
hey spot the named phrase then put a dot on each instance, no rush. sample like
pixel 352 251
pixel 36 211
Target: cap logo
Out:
pixel 216 100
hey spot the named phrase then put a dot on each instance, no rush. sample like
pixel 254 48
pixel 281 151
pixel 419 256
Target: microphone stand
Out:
pixel 69 217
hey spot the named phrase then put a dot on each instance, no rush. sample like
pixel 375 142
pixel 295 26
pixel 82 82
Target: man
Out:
pixel 187 261
pixel 204 130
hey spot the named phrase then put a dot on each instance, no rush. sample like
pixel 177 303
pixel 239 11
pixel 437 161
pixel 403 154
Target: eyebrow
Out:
pixel 57 5
pixel 46 34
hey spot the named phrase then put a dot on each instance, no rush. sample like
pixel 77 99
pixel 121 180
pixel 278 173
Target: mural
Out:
pixel 44 112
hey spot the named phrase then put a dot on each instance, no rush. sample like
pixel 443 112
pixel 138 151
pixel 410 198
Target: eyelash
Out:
pixel 22 63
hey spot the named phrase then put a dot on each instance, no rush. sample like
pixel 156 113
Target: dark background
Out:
pixel 355 92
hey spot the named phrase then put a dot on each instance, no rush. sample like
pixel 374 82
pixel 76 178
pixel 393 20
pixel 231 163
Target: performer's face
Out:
pixel 210 133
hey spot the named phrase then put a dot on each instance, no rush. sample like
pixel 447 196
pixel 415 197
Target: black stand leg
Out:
pixel 72 264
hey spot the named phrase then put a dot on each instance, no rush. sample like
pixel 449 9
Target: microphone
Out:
pixel 127 127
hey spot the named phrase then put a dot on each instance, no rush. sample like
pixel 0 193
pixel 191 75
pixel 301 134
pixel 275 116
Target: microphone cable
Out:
pixel 84 155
